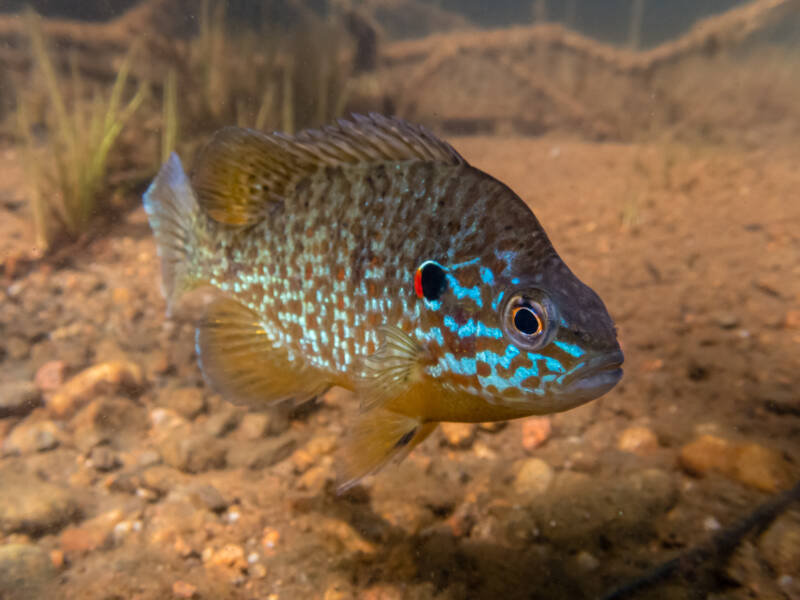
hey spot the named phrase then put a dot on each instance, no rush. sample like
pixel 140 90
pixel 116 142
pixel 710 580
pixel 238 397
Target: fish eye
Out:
pixel 430 280
pixel 528 319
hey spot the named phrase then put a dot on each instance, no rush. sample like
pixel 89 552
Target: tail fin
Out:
pixel 171 207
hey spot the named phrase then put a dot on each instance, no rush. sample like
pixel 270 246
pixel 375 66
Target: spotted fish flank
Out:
pixel 369 254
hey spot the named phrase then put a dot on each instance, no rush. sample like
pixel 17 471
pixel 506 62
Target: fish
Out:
pixel 369 254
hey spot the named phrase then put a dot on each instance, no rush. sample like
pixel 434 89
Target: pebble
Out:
pixel 32 436
pixel 103 459
pixel 184 589
pixel 104 378
pixel 207 496
pixel 344 536
pixel 18 398
pixel 792 320
pixel 94 534
pixel 761 468
pixel 459 435
pixel 50 376
pixel 187 401
pixel 586 561
pixel 230 556
pixel 253 426
pixel 535 432
pixel 534 477
pixel 28 505
pixel 780 544
pixel 705 454
pixel 750 463
pixel 314 479
pixel 638 440
pixel 222 422
pixel 260 454
pixel 104 420
pixel 726 320
pixel 26 571
pixel 195 453
pixel 493 426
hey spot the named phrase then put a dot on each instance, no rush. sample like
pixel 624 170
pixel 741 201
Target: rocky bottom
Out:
pixel 123 476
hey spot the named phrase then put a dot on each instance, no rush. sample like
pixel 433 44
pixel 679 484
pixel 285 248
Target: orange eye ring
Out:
pixel 527 320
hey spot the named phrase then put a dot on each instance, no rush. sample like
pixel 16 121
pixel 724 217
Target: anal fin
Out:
pixel 240 361
pixel 378 436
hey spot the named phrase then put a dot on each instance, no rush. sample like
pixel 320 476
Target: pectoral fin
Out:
pixel 240 361
pixel 377 437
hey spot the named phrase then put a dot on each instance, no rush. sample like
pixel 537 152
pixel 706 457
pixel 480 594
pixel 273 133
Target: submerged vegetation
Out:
pixel 259 77
pixel 68 172
pixel 264 77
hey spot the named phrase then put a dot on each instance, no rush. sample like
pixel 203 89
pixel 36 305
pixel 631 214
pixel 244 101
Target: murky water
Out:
pixel 656 143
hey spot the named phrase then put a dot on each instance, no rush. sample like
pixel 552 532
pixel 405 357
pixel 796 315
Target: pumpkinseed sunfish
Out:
pixel 369 254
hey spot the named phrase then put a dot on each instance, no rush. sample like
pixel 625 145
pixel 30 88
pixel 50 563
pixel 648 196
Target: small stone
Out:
pixel 104 378
pixel 32 436
pixel 208 497
pixel 57 558
pixel 315 478
pixel 780 544
pixel 260 454
pixel 638 440
pixel 253 426
pixel 760 467
pixel 459 435
pixel 161 478
pixel 50 376
pixel 493 426
pixel 726 320
pixel 223 422
pixel 183 589
pixel 26 571
pixel 106 420
pixel 586 561
pixel 230 556
pixel 90 535
pixel 269 539
pixel 750 463
pixel 534 477
pixel 103 459
pixel 32 506
pixel 257 571
pixel 706 453
pixel 535 432
pixel 195 453
pixel 792 320
pixel 18 398
pixel 187 402
pixel 344 535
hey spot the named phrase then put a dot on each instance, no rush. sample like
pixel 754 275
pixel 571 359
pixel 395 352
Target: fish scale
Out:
pixel 370 255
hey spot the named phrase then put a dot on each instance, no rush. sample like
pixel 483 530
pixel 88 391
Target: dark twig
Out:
pixel 720 545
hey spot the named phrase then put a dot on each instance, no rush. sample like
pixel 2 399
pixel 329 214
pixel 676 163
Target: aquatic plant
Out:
pixel 169 116
pixel 263 77
pixel 68 171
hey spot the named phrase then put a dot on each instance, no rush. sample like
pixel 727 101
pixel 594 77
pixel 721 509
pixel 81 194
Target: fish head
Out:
pixel 519 334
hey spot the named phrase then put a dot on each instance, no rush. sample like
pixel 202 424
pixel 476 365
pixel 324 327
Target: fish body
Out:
pixel 370 255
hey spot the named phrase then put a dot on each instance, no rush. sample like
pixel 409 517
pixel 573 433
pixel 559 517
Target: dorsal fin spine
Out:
pixel 240 170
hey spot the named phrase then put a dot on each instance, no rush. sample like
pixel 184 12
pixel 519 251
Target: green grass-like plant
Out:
pixel 264 76
pixel 68 171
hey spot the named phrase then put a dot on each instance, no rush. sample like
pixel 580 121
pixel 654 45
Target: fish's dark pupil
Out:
pixel 526 321
pixel 433 280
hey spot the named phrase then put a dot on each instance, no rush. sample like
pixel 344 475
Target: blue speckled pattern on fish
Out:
pixel 370 254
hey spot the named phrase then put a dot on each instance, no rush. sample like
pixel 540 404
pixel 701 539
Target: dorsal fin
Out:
pixel 242 170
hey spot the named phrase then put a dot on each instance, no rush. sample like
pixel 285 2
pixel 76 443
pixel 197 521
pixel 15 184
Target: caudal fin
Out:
pixel 172 209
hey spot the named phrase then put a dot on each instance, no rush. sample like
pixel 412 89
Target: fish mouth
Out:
pixel 596 378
